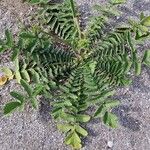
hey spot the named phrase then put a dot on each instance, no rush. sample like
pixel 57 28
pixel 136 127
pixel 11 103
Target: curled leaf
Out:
pixel 3 80
pixel 8 73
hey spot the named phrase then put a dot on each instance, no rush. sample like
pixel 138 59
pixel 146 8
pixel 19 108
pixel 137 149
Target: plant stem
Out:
pixel 78 27
pixel 56 38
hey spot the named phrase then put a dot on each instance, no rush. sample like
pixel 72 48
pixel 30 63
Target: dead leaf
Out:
pixel 3 80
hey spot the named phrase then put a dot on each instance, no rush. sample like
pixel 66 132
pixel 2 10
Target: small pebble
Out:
pixel 110 144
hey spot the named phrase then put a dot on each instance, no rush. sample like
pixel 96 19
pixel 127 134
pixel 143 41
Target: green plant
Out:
pixel 22 99
pixel 8 43
pixel 78 68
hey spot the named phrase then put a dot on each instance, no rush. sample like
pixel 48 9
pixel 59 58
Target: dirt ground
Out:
pixel 35 130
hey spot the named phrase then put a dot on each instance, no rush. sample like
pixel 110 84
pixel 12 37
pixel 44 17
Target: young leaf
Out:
pixel 18 76
pixel 130 41
pixel 81 131
pixel 82 118
pixel 127 66
pixel 111 103
pixel 116 2
pixel 142 16
pixel 35 1
pixel 10 107
pixel 38 89
pixel 64 89
pixel 107 10
pixel 146 21
pixel 35 75
pixel 27 35
pixel 65 127
pixel 138 68
pixel 27 87
pixel 34 102
pixel 146 58
pixel 68 117
pixel 15 54
pixel 18 96
pixel 56 112
pixel 9 38
pixel 143 28
pixel 2 46
pixel 92 66
pixel 73 8
pixel 38 1
pixel 126 81
pixel 100 112
pixel 17 67
pixel 25 75
pixel 74 140
pixel 110 119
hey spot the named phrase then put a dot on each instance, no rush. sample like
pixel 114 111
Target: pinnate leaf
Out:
pixel 82 118
pixel 18 96
pixel 74 140
pixel 115 2
pixel 81 131
pixel 9 38
pixel 27 87
pixel 146 21
pixel 65 127
pixel 110 119
pixel 10 107
pixel 34 102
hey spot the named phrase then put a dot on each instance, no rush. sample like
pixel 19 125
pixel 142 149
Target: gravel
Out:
pixel 35 130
